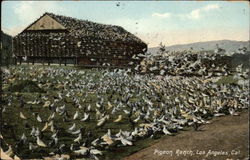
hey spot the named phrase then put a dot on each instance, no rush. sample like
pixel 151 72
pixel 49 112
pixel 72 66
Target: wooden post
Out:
pixel 48 61
pixel 14 61
pixel 20 59
pixel 43 61
pixel 65 62
pixel 60 61
pixel 75 61
pixel 33 61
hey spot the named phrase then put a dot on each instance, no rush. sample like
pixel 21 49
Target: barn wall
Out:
pixel 46 23
pixel 62 45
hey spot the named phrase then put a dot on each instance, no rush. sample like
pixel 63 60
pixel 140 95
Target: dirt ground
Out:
pixel 225 138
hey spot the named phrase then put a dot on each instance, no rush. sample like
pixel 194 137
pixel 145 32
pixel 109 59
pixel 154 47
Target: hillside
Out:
pixel 228 45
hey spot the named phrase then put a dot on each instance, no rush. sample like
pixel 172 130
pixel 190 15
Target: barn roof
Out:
pixel 85 28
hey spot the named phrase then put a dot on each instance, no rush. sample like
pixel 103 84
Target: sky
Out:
pixel 169 22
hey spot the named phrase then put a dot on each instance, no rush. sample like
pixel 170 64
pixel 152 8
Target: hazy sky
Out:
pixel 169 22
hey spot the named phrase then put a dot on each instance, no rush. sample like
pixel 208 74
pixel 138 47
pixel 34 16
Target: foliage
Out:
pixel 6 49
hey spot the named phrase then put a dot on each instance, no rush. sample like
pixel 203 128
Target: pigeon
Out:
pixel 33 131
pixel 102 121
pixel 9 152
pixel 95 151
pixel 40 142
pixel 38 118
pixel 118 119
pixel 76 115
pixel 32 146
pixel 79 138
pixel 72 127
pixel 165 131
pixel 45 127
pixel 24 138
pixel 77 131
pixel 22 116
pixel 124 141
pixel 82 151
pixel 86 117
pixel 232 112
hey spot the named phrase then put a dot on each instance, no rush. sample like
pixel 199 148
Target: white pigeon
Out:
pixel 162 72
pixel 118 119
pixel 94 143
pixel 86 117
pixel 95 151
pixel 24 138
pixel 72 127
pixel 126 111
pixel 82 151
pixel 165 131
pixel 33 131
pixel 135 132
pixel 137 119
pixel 98 105
pixel 9 152
pixel 40 142
pixel 102 120
pixel 76 132
pixel 32 146
pixel 52 116
pixel 219 114
pixel 232 112
pixel 22 116
pixel 79 138
pixel 125 142
pixel 89 107
pixel 45 126
pixel 37 132
pixel 76 115
pixel 38 118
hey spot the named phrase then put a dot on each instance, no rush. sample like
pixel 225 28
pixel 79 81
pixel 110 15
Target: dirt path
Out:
pixel 227 137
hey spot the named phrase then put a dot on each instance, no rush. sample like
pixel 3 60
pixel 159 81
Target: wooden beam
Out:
pixel 75 61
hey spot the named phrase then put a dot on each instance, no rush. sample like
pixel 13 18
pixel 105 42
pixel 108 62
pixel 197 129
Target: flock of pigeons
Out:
pixel 87 113
pixel 84 28
pixel 186 63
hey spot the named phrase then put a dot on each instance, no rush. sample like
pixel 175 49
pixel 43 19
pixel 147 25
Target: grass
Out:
pixel 227 80
pixel 24 86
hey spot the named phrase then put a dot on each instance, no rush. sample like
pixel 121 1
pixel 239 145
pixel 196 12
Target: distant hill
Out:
pixel 228 45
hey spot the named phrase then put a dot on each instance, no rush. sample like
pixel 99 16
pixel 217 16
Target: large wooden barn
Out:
pixel 63 40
